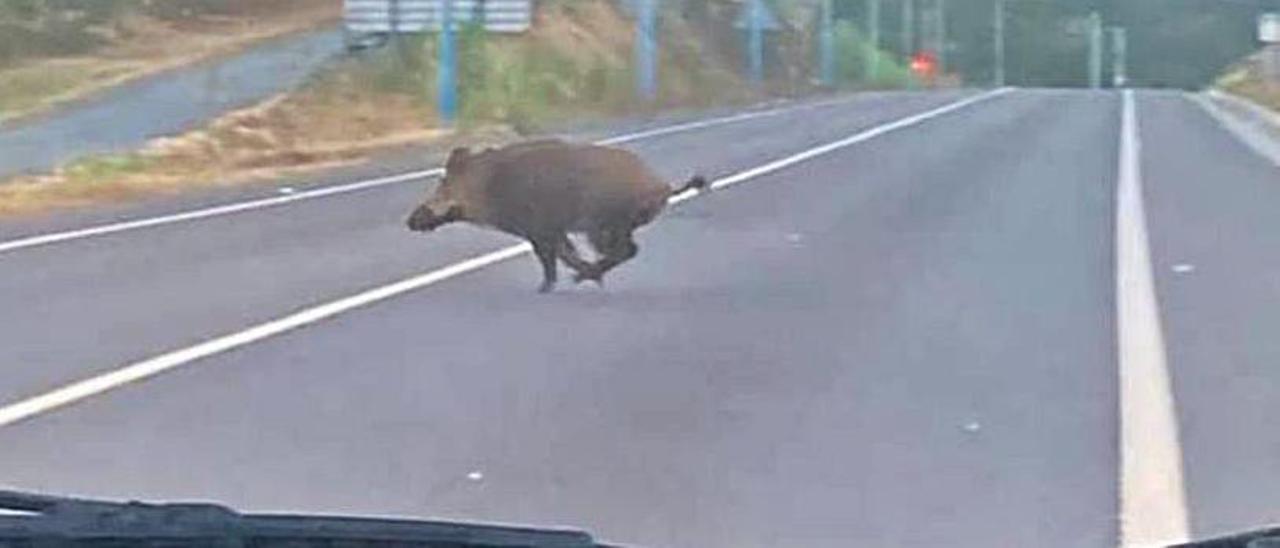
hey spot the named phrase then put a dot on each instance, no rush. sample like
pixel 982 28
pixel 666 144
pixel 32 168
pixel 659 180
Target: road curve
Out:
pixel 124 118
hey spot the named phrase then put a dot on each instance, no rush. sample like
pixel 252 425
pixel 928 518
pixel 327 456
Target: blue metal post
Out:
pixel 873 36
pixel 755 42
pixel 826 46
pixel 646 50
pixel 446 81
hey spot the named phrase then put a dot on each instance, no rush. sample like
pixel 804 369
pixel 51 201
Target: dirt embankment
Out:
pixel 1249 79
pixel 575 63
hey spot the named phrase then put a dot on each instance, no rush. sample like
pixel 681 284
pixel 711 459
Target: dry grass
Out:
pixel 142 46
pixel 1246 80
pixel 288 135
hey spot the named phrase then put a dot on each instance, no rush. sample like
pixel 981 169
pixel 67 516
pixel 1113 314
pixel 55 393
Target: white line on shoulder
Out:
pixel 1251 132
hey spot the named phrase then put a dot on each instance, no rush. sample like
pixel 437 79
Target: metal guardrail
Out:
pixel 413 16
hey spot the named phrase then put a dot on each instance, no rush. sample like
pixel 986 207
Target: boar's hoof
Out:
pixel 593 274
pixel 546 286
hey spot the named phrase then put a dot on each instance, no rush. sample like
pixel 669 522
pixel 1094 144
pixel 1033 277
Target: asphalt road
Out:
pixel 910 340
pixel 125 117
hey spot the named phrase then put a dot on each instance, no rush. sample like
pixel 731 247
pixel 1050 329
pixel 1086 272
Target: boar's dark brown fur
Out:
pixel 543 190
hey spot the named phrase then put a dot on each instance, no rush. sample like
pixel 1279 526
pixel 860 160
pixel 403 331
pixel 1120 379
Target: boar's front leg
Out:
pixel 545 248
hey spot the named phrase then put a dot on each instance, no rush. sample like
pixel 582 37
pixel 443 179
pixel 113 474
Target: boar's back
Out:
pixel 561 186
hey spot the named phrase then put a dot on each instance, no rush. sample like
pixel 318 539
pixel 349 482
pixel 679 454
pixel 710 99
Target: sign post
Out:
pixel 1095 50
pixel 826 46
pixel 446 92
pixel 1269 35
pixel 1120 57
pixel 755 42
pixel 1269 28
pixel 873 36
pixel 997 24
pixel 908 33
pixel 646 50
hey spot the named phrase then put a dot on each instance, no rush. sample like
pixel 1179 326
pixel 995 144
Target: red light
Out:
pixel 924 63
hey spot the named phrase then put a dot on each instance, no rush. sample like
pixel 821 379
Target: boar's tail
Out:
pixel 697 182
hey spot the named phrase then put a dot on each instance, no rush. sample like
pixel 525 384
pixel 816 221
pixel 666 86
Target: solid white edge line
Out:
pixel 239 207
pixel 216 211
pixel 1264 114
pixel 1153 507
pixel 127 374
pixel 1245 131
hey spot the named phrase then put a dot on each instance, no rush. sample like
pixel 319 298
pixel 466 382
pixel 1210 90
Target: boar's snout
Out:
pixel 423 220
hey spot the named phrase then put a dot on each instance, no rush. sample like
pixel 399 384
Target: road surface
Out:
pixel 902 320
pixel 124 118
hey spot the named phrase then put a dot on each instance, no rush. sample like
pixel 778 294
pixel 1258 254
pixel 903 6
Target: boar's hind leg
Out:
pixel 545 249
pixel 569 254
pixel 617 246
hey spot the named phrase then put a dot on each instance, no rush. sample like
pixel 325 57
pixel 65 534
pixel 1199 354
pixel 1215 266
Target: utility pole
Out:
pixel 1095 50
pixel 998 23
pixel 755 42
pixel 873 36
pixel 826 46
pixel 646 50
pixel 1120 57
pixel 908 28
pixel 942 36
pixel 446 94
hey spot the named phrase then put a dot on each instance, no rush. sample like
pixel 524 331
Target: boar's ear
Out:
pixel 458 159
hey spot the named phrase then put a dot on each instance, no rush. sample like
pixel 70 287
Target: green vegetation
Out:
pixel 38 28
pixel 27 88
pixel 526 81
pixel 526 86
pixel 105 167
pixel 855 57
pixel 523 85
pixel 1246 79
pixel 57 28
pixel 1173 43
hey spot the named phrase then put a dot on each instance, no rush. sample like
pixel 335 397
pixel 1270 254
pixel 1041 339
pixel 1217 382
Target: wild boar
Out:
pixel 543 190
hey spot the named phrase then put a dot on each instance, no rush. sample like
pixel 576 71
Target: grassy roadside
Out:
pixel 50 57
pixel 1246 80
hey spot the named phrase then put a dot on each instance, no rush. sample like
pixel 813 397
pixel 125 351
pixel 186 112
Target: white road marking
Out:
pixel 216 211
pixel 293 195
pixel 1153 508
pixel 139 371
pixel 1250 132
pixel 1183 268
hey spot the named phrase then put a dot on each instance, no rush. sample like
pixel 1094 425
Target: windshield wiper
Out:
pixel 28 520
pixel 1261 538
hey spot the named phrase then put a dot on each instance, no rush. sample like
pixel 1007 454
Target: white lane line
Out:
pixel 297 196
pixel 854 139
pixel 217 211
pixel 138 371
pixel 1153 507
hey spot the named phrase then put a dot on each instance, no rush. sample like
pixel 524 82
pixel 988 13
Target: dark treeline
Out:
pixel 1172 43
